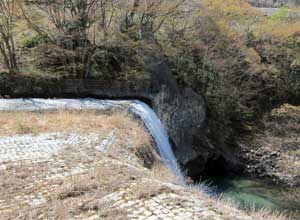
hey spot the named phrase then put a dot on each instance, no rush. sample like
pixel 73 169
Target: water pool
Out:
pixel 248 193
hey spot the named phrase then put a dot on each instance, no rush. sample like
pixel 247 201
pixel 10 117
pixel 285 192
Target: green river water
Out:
pixel 260 194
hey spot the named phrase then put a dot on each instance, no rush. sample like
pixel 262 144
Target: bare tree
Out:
pixel 107 10
pixel 151 13
pixel 7 44
pixel 70 17
pixel 72 20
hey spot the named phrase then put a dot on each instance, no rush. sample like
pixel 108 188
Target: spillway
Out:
pixel 142 110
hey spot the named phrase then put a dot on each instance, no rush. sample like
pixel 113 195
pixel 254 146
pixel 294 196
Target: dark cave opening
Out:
pixel 216 166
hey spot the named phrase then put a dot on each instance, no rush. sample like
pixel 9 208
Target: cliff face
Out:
pixel 273 3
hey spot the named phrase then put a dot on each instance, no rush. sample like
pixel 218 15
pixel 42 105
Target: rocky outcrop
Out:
pixel 182 111
pixel 275 165
pixel 273 151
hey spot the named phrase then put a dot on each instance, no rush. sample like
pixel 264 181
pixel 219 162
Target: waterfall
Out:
pixel 158 132
pixel 147 115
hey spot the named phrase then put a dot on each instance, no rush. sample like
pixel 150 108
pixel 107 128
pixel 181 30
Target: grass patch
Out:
pixel 160 172
pixel 124 124
pixel 290 165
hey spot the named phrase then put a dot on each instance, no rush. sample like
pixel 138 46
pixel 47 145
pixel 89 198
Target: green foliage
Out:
pixel 281 15
pixel 31 41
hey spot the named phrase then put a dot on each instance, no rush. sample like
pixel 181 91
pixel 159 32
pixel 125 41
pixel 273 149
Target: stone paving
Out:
pixel 39 147
pixel 58 156
pixel 50 158
pixel 43 155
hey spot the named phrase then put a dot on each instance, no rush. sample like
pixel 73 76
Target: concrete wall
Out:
pixel 26 87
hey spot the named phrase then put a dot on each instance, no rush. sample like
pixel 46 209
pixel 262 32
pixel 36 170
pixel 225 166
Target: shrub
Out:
pixel 32 41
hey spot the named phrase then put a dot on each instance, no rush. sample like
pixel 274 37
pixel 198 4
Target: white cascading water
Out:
pixel 148 116
pixel 158 132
